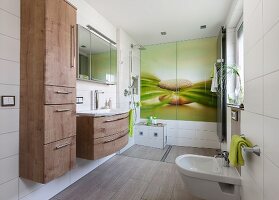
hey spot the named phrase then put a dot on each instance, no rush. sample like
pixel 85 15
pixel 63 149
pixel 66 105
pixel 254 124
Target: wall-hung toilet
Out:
pixel 206 178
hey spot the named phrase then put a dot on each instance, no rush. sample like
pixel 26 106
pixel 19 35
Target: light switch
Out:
pixel 8 101
pixel 79 100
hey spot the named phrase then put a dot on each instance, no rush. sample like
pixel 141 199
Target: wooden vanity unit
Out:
pixel 100 136
pixel 47 89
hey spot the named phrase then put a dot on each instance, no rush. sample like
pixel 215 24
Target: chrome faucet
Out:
pixel 225 158
pixel 96 98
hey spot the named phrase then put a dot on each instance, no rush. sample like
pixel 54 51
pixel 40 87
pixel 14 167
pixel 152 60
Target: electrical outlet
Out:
pixel 79 100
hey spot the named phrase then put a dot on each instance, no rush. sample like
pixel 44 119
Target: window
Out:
pixel 239 80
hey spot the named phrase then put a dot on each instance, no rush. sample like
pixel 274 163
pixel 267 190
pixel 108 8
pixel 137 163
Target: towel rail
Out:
pixel 255 149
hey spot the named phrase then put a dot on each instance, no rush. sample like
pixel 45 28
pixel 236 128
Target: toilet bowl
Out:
pixel 206 178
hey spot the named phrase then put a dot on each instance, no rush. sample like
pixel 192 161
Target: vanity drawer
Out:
pixel 105 126
pixel 59 95
pixel 110 146
pixel 59 158
pixel 60 122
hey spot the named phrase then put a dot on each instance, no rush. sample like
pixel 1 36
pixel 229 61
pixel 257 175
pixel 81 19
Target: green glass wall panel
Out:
pixel 176 80
pixel 158 62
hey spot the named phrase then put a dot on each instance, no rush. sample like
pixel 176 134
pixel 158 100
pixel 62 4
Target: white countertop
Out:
pixel 102 112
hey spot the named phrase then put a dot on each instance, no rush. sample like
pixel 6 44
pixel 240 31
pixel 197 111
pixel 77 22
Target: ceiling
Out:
pixel 144 20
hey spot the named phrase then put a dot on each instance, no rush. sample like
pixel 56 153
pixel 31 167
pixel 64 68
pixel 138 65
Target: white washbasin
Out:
pixel 102 112
pixel 206 177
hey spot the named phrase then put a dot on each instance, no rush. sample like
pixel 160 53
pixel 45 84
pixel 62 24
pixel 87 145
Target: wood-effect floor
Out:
pixel 150 153
pixel 137 174
pixel 128 178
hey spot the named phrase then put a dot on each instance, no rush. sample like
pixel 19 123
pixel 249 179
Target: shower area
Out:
pixel 176 81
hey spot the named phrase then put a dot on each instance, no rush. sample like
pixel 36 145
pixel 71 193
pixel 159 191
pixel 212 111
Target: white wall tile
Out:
pixel 271 96
pixel 9 48
pixel 49 190
pixel 250 190
pixel 206 126
pixel 271 180
pixel 270 13
pixel 252 126
pixel 181 133
pixel 9 190
pixel 12 6
pixel 11 122
pixel 27 187
pixel 254 62
pixel 271 138
pixel 206 135
pixel 8 169
pixel 253 98
pixel 9 24
pixel 271 48
pixel 253 28
pixel 250 6
pixel 9 144
pixel 11 75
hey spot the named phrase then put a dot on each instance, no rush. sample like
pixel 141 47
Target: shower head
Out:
pixel 138 46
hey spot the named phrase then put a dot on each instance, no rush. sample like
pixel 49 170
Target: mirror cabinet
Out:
pixel 97 60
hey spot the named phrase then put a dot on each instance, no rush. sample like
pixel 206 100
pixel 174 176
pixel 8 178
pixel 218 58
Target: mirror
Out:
pixel 97 58
pixel 84 53
pixel 100 59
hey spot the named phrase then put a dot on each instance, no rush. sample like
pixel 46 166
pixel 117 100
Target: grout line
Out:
pixel 263 115
pixel 10 180
pixel 14 155
pixel 270 28
pixel 10 60
pixel 9 12
pixel 17 131
pixel 11 37
pixel 8 84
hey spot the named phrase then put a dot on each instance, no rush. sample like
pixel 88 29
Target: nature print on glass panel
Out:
pixel 176 80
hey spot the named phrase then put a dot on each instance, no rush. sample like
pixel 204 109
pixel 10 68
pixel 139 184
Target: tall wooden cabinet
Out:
pixel 47 89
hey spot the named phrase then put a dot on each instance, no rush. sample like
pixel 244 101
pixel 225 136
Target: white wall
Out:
pixel 86 15
pixel 11 186
pixel 9 85
pixel 125 71
pixel 260 120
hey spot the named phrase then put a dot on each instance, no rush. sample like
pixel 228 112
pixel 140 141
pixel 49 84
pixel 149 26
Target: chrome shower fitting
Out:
pixel 138 46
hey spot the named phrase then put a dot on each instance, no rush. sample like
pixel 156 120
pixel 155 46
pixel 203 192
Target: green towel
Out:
pixel 235 155
pixel 131 123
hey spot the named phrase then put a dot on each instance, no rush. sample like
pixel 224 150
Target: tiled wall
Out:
pixel 193 134
pixel 260 120
pixel 11 186
pixel 9 85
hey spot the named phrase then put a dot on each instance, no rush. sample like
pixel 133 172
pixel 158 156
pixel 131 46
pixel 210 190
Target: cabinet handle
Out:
pixel 62 145
pixel 63 92
pixel 63 110
pixel 113 120
pixel 73 50
pixel 114 139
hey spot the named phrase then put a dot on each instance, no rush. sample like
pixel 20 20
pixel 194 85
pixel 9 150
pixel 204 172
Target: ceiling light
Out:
pixel 203 27
pixel 163 33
